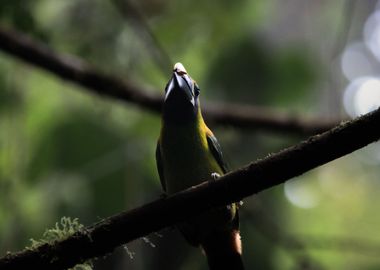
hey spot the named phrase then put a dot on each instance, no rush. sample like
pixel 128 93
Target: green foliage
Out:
pixel 261 76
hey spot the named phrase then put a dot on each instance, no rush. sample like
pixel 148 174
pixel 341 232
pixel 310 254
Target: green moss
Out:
pixel 61 231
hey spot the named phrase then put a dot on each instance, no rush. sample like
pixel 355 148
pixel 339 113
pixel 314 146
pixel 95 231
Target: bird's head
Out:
pixel 181 103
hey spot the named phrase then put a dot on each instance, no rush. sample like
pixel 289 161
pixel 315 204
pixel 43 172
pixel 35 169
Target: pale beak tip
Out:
pixel 179 69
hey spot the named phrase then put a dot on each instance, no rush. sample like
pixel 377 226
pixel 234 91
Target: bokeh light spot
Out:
pixel 301 193
pixel 372 33
pixel 367 97
pixel 356 61
pixel 362 96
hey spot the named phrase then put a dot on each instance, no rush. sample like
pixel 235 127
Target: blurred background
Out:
pixel 65 152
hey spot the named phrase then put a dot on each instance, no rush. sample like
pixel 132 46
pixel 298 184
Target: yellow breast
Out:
pixel 186 156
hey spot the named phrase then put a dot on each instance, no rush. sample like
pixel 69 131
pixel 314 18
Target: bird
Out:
pixel 188 153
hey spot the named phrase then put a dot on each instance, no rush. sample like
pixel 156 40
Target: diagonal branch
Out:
pixel 75 70
pixel 273 170
pixel 79 72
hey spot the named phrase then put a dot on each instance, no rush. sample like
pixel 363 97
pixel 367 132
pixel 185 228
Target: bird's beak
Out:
pixel 180 87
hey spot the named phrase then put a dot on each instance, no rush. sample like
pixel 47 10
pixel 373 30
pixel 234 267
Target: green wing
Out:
pixel 216 151
pixel 159 166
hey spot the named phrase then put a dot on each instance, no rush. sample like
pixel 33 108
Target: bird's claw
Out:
pixel 215 176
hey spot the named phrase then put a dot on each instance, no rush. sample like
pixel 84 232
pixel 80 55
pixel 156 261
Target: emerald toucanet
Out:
pixel 188 153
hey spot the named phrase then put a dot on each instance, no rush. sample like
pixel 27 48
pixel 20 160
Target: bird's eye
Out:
pixel 196 89
pixel 188 80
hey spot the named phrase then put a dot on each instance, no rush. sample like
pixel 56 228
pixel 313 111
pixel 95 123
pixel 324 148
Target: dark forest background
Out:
pixel 65 152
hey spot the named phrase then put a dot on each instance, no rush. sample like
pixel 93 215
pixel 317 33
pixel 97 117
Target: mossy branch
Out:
pixel 101 238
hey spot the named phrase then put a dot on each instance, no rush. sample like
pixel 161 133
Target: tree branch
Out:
pixel 273 170
pixel 79 72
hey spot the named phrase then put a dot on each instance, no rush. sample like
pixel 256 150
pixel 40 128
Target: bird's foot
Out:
pixel 215 176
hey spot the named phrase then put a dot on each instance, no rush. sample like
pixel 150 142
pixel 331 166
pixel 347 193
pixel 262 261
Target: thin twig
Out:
pixel 153 46
pixel 79 72
pixel 273 170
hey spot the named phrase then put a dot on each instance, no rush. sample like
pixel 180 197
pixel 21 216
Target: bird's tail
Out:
pixel 223 250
